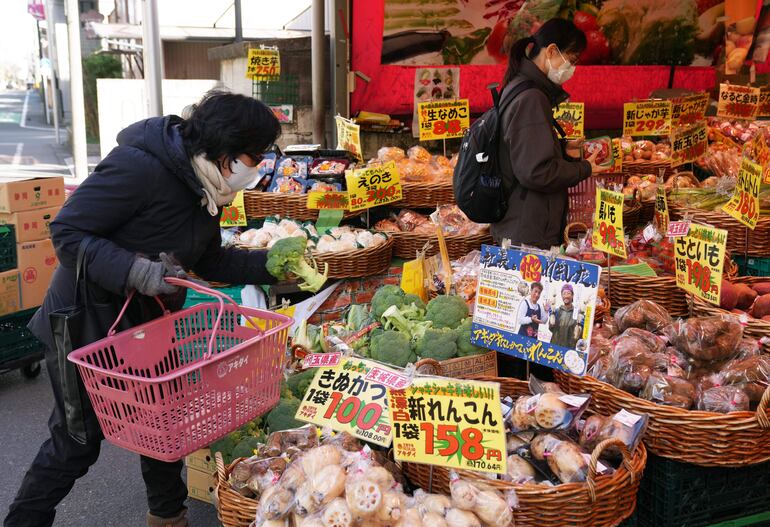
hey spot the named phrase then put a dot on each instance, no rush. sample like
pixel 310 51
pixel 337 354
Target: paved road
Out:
pixel 112 493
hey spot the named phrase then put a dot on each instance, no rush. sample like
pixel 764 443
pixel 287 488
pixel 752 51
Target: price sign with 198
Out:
pixel 452 423
pixel 375 186
pixel 744 203
pixel 347 399
pixel 647 118
pixel 608 234
pixel 700 257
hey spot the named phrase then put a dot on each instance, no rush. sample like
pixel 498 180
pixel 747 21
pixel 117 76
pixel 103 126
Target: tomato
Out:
pixel 585 22
pixel 496 40
pixel 597 48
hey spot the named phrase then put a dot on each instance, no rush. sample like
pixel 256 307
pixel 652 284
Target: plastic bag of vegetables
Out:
pixel 473 504
pixel 547 409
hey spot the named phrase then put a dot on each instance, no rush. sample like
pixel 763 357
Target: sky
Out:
pixel 18 35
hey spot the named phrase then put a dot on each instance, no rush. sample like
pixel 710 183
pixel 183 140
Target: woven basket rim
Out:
pixel 459 237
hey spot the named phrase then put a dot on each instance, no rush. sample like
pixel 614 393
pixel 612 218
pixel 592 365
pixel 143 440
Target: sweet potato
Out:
pixel 762 288
pixel 766 318
pixel 746 296
pixel 729 297
pixel 762 307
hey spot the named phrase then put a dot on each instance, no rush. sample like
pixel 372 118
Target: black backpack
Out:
pixel 478 183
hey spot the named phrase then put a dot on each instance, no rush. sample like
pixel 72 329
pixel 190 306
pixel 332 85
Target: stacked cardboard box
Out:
pixel 201 468
pixel 29 204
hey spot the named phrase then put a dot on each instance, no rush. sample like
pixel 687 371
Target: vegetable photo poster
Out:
pixel 536 307
pixel 433 84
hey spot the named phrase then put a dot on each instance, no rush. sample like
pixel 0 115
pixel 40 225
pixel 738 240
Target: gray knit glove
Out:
pixel 147 277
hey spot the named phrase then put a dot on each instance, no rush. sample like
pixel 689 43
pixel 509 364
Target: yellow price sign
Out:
pixel 688 144
pixel 374 186
pixel 617 157
pixel 763 110
pixel 263 64
pixel 351 396
pixel 647 118
pixel 450 423
pixel 700 258
pixel 758 151
pixel 608 235
pixel 443 119
pixel 744 203
pixel 661 210
pixel 689 110
pixel 327 200
pixel 571 118
pixel 737 102
pixel 349 136
pixel 234 214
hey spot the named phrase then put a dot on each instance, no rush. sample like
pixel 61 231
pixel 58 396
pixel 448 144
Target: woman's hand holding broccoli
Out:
pixel 286 260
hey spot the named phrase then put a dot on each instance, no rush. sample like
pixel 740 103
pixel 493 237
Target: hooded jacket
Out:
pixel 536 171
pixel 142 199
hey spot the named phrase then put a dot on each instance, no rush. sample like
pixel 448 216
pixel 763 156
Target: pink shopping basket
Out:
pixel 582 197
pixel 178 383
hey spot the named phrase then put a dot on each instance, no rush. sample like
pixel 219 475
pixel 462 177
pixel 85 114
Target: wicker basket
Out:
pixel 624 289
pixel 632 214
pixel 233 510
pixel 691 436
pixel 602 501
pixel 371 261
pixel 753 327
pixel 408 243
pixel 647 167
pixel 647 213
pixel 427 195
pixel 740 239
pixel 263 204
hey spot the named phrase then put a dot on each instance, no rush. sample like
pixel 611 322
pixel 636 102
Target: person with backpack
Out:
pixel 536 166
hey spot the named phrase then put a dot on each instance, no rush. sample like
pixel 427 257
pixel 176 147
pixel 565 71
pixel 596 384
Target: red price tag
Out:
pixel 699 275
pixel 607 232
pixel 447 440
pixel 346 410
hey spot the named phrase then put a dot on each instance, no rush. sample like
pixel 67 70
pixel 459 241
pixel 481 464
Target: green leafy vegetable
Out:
pixel 461 50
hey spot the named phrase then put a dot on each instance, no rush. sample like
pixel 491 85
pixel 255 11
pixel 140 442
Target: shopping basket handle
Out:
pixel 130 297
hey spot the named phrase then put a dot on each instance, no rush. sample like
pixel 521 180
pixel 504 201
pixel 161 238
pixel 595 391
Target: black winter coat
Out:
pixel 143 198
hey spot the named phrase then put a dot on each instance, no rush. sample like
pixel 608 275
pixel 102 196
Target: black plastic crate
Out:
pixel 630 522
pixel 16 341
pixel 682 495
pixel 7 248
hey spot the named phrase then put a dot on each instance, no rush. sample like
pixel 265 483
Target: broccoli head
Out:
pixel 410 299
pixel 246 447
pixel 287 258
pixel 464 346
pixel 386 296
pixel 299 382
pixel 392 347
pixel 446 311
pixel 437 344
pixel 282 416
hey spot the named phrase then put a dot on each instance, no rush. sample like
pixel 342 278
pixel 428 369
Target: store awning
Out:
pixel 134 31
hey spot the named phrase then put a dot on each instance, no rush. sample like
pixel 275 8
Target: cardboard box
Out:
pixel 28 193
pixel 9 292
pixel 36 263
pixel 467 367
pixel 30 225
pixel 201 460
pixel 200 485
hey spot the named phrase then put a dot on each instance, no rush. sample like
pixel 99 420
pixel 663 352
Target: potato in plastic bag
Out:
pixel 707 338
pixel 669 391
pixel 723 399
pixel 643 314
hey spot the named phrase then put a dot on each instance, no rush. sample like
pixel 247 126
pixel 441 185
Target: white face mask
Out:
pixel 241 175
pixel 561 74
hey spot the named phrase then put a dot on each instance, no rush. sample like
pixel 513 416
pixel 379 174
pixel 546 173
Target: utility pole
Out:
pixel 238 21
pixel 317 42
pixel 51 36
pixel 151 53
pixel 79 145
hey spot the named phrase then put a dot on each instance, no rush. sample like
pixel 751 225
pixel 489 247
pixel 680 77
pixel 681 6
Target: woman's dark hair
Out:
pixel 229 124
pixel 567 37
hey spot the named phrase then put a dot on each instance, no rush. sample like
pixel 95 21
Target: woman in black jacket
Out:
pixel 152 205
pixel 537 167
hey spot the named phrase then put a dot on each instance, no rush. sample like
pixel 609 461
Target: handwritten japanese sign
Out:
pixel 536 308
pixel 234 215
pixel 764 102
pixel 647 118
pixel 263 64
pixel 689 110
pixel 571 117
pixel 443 119
pixel 374 186
pixel 737 102
pixel 661 209
pixel 451 423
pixel 744 203
pixel 608 234
pixel 700 258
pixel 677 229
pixel 688 144
pixel 758 151
pixel 342 398
pixel 328 200
pixel 348 136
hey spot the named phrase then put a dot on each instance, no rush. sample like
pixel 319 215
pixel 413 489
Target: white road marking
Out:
pixel 23 122
pixel 17 154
